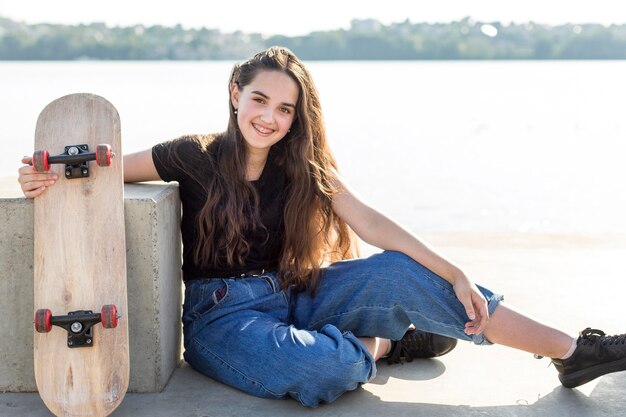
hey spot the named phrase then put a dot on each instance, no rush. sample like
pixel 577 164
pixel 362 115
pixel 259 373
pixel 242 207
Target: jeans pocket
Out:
pixel 206 296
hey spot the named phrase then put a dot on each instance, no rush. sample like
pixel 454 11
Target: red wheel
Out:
pixel 43 319
pixel 108 316
pixel 40 161
pixel 103 155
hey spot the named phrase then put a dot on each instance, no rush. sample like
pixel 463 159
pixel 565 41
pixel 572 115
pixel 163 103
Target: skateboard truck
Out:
pixel 77 323
pixel 75 158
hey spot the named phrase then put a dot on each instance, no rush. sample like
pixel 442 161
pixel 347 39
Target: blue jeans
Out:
pixel 249 334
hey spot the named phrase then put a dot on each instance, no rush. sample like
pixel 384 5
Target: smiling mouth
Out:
pixel 262 130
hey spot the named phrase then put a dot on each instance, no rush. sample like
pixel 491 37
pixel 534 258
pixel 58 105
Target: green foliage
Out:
pixel 366 40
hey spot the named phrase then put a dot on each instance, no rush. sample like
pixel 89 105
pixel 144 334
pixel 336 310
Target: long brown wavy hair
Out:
pixel 314 235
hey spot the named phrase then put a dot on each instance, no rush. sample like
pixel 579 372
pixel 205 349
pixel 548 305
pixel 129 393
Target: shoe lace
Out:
pixel 411 342
pixel 590 335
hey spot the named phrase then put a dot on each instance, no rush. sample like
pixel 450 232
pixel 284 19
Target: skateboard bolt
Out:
pixel 76 327
pixel 73 151
pixel 68 173
pixel 84 171
pixel 88 341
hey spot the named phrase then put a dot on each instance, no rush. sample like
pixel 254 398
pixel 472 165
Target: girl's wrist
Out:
pixel 457 275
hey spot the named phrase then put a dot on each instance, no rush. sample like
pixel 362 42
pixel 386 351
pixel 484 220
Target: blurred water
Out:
pixel 516 146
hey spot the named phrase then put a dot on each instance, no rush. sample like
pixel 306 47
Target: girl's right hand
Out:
pixel 34 183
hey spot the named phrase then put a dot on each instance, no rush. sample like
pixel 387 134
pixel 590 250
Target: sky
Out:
pixel 282 17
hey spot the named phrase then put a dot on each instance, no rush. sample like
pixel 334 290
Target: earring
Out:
pixel 235 111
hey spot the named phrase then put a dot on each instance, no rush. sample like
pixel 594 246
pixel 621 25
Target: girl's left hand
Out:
pixel 475 304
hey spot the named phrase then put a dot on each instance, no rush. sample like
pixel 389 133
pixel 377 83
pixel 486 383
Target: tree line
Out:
pixel 365 40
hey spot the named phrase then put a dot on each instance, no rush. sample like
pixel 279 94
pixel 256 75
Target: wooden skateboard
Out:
pixel 81 337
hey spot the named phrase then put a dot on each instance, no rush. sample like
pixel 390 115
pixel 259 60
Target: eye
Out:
pixel 259 100
pixel 285 110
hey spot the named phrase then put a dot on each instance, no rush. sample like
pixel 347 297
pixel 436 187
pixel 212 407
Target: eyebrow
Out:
pixel 265 96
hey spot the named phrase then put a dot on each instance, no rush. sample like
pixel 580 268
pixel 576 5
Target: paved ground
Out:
pixel 570 281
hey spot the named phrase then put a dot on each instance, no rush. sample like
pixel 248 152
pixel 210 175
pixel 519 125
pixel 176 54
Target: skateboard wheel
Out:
pixel 103 155
pixel 40 161
pixel 108 316
pixel 43 319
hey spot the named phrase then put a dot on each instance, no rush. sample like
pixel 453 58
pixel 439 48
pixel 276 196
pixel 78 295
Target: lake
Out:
pixel 478 146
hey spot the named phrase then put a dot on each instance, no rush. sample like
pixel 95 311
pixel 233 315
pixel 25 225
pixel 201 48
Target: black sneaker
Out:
pixel 596 354
pixel 418 344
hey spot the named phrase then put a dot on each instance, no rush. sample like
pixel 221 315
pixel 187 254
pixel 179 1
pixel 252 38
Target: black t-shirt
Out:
pixel 265 243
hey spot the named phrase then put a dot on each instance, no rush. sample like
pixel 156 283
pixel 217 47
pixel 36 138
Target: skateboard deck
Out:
pixel 81 353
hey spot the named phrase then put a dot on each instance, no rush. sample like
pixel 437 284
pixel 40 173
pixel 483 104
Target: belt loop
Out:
pixel 275 286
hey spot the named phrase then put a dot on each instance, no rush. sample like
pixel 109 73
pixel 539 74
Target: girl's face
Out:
pixel 265 108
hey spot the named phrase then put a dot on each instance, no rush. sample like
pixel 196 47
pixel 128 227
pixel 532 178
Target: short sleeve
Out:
pixel 170 158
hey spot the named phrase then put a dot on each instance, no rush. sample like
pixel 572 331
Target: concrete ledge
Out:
pixel 153 248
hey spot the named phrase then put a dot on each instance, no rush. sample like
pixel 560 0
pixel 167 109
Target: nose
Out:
pixel 267 116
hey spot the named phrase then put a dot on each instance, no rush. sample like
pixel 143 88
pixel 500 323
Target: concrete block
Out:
pixel 153 257
pixel 16 295
pixel 153 248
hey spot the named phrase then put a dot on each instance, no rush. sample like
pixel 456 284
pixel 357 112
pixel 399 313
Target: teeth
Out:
pixel 262 129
